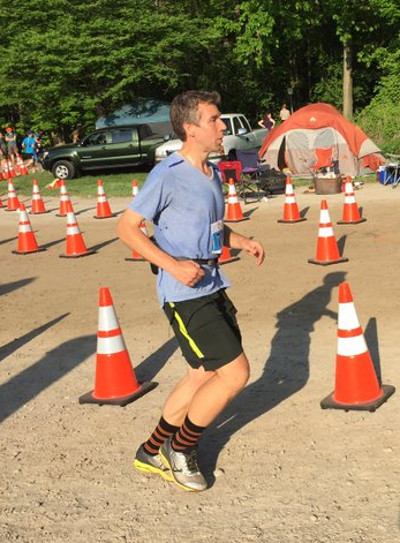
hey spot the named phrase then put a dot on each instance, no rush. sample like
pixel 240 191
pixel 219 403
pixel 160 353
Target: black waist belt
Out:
pixel 201 261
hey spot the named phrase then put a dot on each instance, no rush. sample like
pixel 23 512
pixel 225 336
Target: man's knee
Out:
pixel 235 375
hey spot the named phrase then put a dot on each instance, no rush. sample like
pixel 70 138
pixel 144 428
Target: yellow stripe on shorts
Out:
pixel 185 333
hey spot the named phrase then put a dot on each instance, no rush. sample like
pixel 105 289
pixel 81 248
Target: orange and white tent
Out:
pixel 312 131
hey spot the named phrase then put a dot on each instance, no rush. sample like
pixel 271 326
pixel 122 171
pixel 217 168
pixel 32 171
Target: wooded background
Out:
pixel 64 62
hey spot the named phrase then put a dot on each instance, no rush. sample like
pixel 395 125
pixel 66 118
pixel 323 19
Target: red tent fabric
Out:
pixel 319 126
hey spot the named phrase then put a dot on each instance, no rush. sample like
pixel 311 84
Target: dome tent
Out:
pixel 293 144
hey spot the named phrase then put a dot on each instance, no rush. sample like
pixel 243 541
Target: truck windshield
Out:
pixel 228 123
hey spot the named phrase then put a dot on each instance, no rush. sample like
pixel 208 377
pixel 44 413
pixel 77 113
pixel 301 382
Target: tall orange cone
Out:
pixel 135 255
pixel 234 210
pixel 103 207
pixel 226 256
pixel 351 213
pixel 75 246
pixel 21 166
pixel 135 188
pixel 37 204
pixel 356 385
pixel 6 171
pixel 1 202
pixel 327 248
pixel 115 380
pixel 26 238
pixel 64 199
pixel 11 170
pixel 12 199
pixel 291 212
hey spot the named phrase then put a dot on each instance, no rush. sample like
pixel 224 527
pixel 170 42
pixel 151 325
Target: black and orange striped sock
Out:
pixel 187 436
pixel 159 436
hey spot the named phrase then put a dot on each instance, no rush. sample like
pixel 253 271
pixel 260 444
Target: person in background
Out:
pixel 12 148
pixel 3 152
pixel 30 151
pixel 76 135
pixel 284 113
pixel 267 121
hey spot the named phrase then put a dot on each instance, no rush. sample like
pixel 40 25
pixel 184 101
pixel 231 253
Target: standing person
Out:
pixel 3 152
pixel 12 148
pixel 284 113
pixel 76 135
pixel 183 197
pixel 30 150
pixel 267 121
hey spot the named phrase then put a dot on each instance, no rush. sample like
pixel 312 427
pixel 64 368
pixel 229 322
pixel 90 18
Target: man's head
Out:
pixel 185 109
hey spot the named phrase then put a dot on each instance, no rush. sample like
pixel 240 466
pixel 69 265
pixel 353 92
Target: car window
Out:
pixel 121 135
pixel 245 123
pixel 96 139
pixel 236 125
pixel 227 121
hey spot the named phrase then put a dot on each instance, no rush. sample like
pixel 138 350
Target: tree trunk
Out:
pixel 347 81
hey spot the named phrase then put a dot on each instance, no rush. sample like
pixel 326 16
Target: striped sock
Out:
pixel 159 436
pixel 187 436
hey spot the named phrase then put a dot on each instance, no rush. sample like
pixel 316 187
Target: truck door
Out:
pixel 124 147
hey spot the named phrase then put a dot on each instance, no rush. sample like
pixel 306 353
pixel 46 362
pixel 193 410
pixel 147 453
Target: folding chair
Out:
pixel 250 174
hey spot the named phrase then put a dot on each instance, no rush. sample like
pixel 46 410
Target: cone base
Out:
pixel 106 217
pixel 61 215
pixel 227 260
pixel 351 222
pixel 237 220
pixel 38 212
pixel 89 252
pixel 135 259
pixel 38 250
pixel 143 389
pixel 16 209
pixel 330 403
pixel 326 263
pixel 290 221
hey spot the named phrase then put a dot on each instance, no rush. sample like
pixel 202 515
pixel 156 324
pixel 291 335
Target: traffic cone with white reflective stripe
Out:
pixel 135 255
pixel 26 238
pixel 291 212
pixel 12 199
pixel 64 199
pixel 75 246
pixel 327 248
pixel 103 207
pixel 21 166
pixel 351 213
pixel 357 386
pixel 37 204
pixel 135 188
pixel 226 256
pixel 234 210
pixel 11 170
pixel 6 171
pixel 115 380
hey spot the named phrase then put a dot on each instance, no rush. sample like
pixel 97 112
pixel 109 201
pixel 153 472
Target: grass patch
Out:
pixel 115 184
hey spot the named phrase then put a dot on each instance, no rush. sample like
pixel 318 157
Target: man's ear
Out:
pixel 189 128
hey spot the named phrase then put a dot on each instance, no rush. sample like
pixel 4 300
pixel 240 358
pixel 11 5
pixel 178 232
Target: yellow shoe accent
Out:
pixel 167 475
pixel 166 463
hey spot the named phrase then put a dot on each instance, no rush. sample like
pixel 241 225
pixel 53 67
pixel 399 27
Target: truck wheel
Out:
pixel 232 155
pixel 63 169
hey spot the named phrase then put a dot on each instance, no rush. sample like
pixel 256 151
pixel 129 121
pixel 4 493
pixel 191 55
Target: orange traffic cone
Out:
pixel 11 170
pixel 103 207
pixel 56 184
pixel 226 256
pixel 1 202
pixel 327 249
pixel 234 210
pixel 357 385
pixel 37 205
pixel 64 198
pixel 12 200
pixel 6 171
pixel 351 213
pixel 135 255
pixel 26 238
pixel 75 246
pixel 135 188
pixel 21 166
pixel 115 380
pixel 291 212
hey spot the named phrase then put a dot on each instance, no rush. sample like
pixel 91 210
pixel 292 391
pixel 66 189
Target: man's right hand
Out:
pixel 187 272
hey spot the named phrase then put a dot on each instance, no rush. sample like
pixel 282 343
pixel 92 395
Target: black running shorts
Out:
pixel 206 329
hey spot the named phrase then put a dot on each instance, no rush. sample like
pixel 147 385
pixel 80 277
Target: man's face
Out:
pixel 209 130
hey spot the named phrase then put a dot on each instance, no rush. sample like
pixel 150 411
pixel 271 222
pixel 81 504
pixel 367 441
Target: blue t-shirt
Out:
pixel 187 209
pixel 29 145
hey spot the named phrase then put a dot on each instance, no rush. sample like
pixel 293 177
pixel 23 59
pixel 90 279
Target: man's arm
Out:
pixel 251 246
pixel 128 230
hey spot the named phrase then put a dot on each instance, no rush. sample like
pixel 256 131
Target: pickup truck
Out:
pixel 105 148
pixel 238 135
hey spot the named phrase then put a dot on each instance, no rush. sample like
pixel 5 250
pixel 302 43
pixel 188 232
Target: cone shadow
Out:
pixel 9 287
pixel 303 212
pixel 103 244
pixel 15 344
pixel 3 241
pixel 54 365
pixel 84 210
pixel 360 210
pixel 371 338
pixel 249 212
pixel 51 243
pixel 154 363
pixel 341 244
pixel 286 370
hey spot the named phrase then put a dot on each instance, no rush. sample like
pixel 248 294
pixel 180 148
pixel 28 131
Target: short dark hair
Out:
pixel 184 109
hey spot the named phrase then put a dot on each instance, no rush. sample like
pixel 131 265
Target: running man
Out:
pixel 183 197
